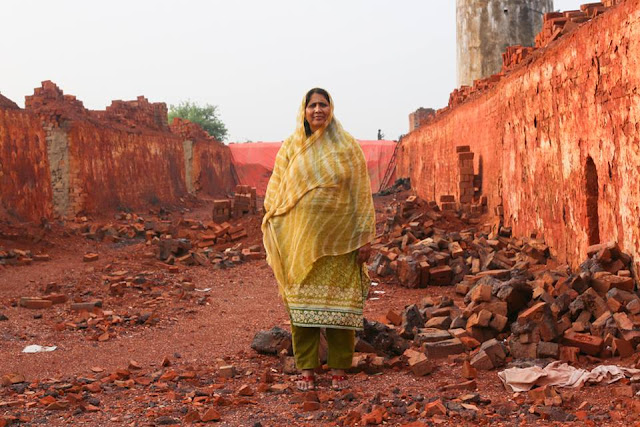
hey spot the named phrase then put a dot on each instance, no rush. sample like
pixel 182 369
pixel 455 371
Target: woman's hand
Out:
pixel 363 253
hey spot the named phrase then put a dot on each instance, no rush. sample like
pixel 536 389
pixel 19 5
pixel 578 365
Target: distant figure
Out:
pixel 380 135
pixel 318 224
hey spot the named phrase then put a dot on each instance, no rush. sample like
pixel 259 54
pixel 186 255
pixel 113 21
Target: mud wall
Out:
pixel 115 169
pixel 25 185
pixel 568 119
pixel 207 162
pixel 59 159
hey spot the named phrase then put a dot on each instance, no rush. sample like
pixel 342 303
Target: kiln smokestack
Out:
pixel 484 28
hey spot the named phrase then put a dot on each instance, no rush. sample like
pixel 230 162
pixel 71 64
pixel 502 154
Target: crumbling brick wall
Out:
pixel 25 186
pixel 60 159
pixel 538 132
pixel 210 161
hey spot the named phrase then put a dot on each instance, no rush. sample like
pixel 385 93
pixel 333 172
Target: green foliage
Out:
pixel 206 116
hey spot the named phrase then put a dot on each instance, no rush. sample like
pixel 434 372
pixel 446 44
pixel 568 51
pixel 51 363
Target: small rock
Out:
pixel 165 421
pixel 211 415
pixel 271 341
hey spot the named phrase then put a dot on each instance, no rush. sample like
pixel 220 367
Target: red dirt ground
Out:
pixel 199 332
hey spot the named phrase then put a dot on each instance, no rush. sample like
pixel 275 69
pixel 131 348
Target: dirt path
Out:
pixel 202 319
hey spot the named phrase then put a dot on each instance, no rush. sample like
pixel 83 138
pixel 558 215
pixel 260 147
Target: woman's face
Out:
pixel 317 111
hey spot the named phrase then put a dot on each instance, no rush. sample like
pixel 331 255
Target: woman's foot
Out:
pixel 339 379
pixel 306 380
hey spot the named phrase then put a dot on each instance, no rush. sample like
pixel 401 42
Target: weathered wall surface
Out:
pixel 25 185
pixel 536 131
pixel 59 159
pixel 208 163
pixel 211 168
pixel 117 169
pixel 484 28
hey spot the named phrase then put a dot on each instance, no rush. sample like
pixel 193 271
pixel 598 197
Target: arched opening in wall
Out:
pixel 591 183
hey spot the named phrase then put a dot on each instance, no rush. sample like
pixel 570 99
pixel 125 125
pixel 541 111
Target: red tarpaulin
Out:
pixel 254 161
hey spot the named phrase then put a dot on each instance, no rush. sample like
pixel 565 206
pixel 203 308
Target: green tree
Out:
pixel 206 116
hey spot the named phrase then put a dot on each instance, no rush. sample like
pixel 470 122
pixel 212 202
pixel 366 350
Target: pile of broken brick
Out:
pixel 517 306
pixel 244 201
pixel 18 257
pixel 202 252
pixel 557 24
pixel 179 241
pixel 123 300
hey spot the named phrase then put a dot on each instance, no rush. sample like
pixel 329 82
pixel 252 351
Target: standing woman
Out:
pixel 318 224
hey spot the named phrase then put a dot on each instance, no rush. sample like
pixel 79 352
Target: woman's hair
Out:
pixel 319 91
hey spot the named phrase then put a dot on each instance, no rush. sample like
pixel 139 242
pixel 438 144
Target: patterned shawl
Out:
pixel 318 200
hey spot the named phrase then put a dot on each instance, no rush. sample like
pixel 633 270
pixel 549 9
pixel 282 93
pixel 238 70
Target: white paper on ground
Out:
pixel 35 348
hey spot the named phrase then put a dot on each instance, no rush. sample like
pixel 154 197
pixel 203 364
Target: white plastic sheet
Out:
pixel 562 375
pixel 34 348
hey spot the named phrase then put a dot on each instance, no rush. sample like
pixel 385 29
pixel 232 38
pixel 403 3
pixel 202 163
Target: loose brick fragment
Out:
pixel 227 371
pixel 35 303
pixel 90 257
pixel 468 371
pixel 394 317
pixel 588 344
pixel 481 293
pixel 441 275
pixel 420 365
pixel 444 348
pixel 434 408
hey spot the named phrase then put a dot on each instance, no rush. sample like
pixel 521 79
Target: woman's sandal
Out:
pixel 309 382
pixel 336 381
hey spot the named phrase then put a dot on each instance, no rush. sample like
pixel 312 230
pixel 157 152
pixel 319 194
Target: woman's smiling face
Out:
pixel 317 111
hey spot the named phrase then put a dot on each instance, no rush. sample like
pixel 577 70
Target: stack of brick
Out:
pixel 556 24
pixel 244 201
pixel 138 113
pixel 515 303
pixel 221 210
pixel 459 95
pixel 188 130
pixel 18 257
pixel 420 117
pixel 514 55
pixel 595 311
pixel 486 83
pixel 465 175
pixel 50 103
pixel 448 202
pixel 518 307
pixel 201 252
pixel 185 241
pixel 418 253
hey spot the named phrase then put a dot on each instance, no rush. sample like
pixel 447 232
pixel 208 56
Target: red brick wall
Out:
pixel 211 173
pixel 111 168
pixel 535 130
pixel 123 157
pixel 25 186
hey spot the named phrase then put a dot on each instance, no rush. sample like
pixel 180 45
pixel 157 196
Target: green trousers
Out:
pixel 306 341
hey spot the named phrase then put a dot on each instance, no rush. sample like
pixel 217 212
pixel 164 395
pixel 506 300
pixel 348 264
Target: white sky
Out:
pixel 380 59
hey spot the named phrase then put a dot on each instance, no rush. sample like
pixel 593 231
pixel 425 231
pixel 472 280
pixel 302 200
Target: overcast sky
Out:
pixel 380 59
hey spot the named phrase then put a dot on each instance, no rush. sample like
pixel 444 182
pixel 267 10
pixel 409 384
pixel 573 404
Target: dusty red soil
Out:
pixel 198 331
